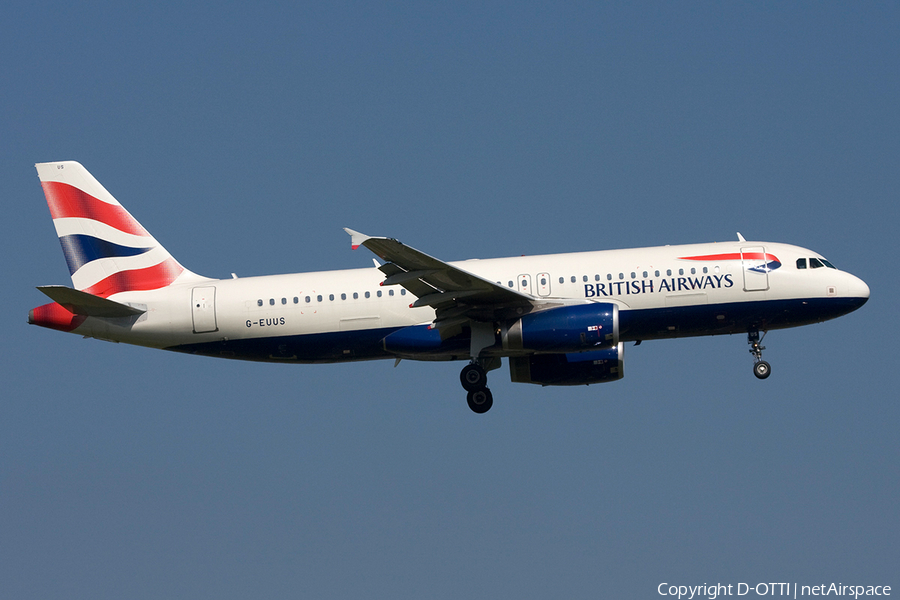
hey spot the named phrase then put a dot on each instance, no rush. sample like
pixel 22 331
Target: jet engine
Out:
pixel 578 328
pixel 569 345
pixel 574 368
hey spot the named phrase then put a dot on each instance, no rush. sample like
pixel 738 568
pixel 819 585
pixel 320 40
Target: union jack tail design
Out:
pixel 106 249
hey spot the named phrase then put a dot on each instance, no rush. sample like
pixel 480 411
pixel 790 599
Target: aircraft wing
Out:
pixel 456 294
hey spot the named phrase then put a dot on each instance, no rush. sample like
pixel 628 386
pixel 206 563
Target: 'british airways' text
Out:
pixel 650 286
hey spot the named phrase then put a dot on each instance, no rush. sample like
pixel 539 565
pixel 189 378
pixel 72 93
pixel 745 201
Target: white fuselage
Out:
pixel 670 291
pixel 559 319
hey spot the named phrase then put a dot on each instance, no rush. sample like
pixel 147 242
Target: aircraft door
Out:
pixel 203 307
pixel 524 283
pixel 755 263
pixel 543 284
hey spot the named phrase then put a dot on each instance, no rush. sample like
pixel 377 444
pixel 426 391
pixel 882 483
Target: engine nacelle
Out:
pixel 575 368
pixel 579 328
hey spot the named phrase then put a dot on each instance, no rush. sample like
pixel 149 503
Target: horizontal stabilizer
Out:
pixel 82 303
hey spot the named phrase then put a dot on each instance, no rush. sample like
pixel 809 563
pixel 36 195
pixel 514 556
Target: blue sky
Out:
pixel 245 138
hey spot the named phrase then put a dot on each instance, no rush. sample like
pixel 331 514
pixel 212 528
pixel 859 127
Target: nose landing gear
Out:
pixel 474 380
pixel 761 368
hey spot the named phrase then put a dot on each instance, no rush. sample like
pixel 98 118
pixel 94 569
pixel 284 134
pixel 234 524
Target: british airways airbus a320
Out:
pixel 559 319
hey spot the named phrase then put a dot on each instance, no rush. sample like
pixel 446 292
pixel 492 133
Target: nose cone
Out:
pixel 857 290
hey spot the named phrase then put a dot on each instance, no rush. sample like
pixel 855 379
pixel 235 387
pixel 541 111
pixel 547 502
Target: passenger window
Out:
pixel 668 272
pixel 308 299
pixel 511 284
pixel 403 291
pixel 343 296
pixel 284 300
pixel 656 274
pixel 705 270
pixel 319 297
pixel 331 297
pixel 609 276
pixel 390 292
pixel 355 296
pixel 378 293
pixel 621 275
pixel 815 263
pixel 296 300
pixel 693 271
pixel 801 263
pixel 259 302
pixel 271 301
pixel 645 274
pixel 681 271
pixel 633 275
pixel 573 279
pixel 368 295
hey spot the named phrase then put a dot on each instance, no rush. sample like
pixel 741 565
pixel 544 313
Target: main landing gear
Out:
pixel 761 368
pixel 474 380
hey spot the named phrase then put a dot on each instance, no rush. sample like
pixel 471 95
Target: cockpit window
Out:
pixel 814 263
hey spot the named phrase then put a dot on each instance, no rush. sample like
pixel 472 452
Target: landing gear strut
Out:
pixel 761 368
pixel 474 380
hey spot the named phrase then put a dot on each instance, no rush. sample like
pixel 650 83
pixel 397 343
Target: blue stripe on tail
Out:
pixel 81 249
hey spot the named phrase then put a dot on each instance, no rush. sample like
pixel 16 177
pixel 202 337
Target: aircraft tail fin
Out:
pixel 106 249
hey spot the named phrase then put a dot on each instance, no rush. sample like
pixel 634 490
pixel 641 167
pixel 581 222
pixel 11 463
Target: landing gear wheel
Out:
pixel 762 369
pixel 473 377
pixel 480 401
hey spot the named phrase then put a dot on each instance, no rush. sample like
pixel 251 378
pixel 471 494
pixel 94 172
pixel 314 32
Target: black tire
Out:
pixel 762 369
pixel 480 401
pixel 473 377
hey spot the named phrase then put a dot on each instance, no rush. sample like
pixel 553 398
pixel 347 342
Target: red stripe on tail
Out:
pixel 137 280
pixel 68 201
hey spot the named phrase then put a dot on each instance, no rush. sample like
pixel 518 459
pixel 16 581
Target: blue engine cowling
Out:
pixel 575 368
pixel 579 328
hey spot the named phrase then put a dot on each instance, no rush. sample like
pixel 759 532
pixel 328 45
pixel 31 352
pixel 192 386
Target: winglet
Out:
pixel 740 237
pixel 356 238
